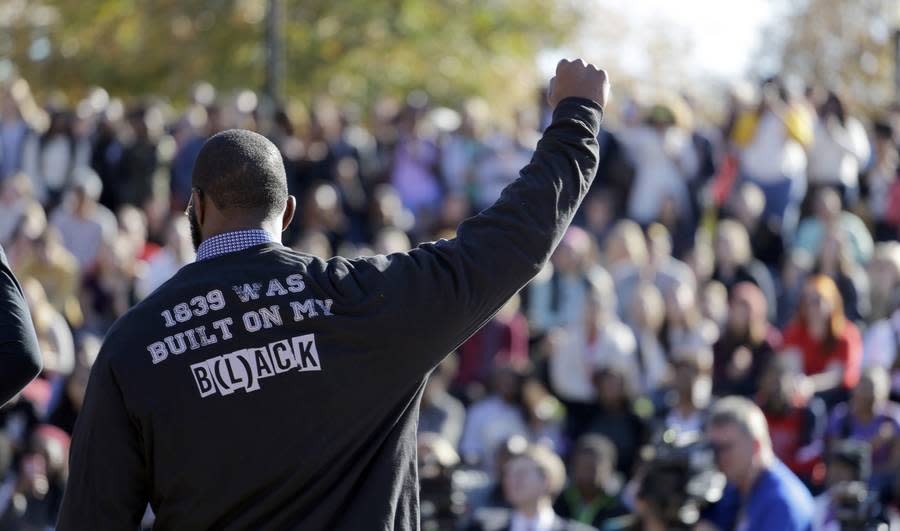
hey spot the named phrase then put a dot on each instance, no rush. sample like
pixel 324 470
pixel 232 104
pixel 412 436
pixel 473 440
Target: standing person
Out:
pixel 839 149
pixel 762 493
pixel 20 358
pixel 278 390
pixel 771 143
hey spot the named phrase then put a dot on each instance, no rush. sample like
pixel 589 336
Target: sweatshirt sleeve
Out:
pixel 437 295
pixel 20 358
pixel 107 478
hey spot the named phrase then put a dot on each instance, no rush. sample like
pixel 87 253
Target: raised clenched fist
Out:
pixel 580 80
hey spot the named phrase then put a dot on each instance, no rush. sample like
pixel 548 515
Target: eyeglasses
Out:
pixel 720 448
pixel 187 210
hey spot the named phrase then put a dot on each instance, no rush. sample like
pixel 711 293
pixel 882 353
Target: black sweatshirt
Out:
pixel 20 357
pixel 267 389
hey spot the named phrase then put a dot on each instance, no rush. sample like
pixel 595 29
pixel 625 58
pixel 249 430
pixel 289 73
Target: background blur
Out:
pixel 740 239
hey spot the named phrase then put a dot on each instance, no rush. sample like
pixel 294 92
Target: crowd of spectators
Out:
pixel 756 257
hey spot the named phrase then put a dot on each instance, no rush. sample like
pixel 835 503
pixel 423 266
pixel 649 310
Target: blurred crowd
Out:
pixel 757 256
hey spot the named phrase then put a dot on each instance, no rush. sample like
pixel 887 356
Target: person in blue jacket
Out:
pixel 762 493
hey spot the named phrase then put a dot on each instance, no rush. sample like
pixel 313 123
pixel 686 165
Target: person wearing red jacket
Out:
pixel 829 345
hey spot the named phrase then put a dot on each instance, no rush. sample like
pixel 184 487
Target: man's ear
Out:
pixel 289 210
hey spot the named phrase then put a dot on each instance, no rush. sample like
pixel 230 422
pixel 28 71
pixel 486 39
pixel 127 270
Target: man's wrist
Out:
pixel 573 106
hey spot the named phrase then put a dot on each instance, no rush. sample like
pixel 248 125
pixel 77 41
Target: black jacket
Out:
pixel 267 389
pixel 20 357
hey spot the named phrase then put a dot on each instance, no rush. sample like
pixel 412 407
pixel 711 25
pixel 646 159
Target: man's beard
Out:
pixel 196 237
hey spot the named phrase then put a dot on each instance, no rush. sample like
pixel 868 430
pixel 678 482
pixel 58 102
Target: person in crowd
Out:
pixel 835 261
pixel 69 397
pixel 848 461
pixel 415 164
pixel 441 413
pixel 747 207
pixel 49 262
pixel 53 333
pixel 531 482
pixel 495 418
pixel 593 494
pixel 618 414
pixel 16 198
pixel 839 150
pixel 576 349
pixel 176 253
pixel 646 317
pixel 884 280
pixel 660 268
pixel 746 345
pixel 557 295
pixel 880 183
pixel 14 129
pixel 51 159
pixel 828 344
pixel 685 328
pixel 190 139
pixel 762 493
pixel 665 160
pixel 735 262
pixel 882 349
pixel 139 160
pixel 870 416
pixel 771 141
pixel 625 248
pixel 684 405
pixel 503 340
pixel 796 420
pixel 84 223
pixel 829 216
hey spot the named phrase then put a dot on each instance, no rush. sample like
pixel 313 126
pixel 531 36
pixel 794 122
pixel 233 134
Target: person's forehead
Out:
pixel 521 464
pixel 727 431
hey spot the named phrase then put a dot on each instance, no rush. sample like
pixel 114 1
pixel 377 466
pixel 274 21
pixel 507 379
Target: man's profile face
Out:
pixel 523 482
pixel 734 451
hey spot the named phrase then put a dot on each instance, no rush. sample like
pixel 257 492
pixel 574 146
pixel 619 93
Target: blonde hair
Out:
pixel 550 465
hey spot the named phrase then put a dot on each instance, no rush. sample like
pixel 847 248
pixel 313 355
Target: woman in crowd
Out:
pixel 828 344
pixel 746 344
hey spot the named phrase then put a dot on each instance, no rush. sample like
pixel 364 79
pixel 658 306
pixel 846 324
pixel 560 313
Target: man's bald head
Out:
pixel 240 170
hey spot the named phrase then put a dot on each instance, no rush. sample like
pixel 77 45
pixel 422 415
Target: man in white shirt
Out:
pixel 531 481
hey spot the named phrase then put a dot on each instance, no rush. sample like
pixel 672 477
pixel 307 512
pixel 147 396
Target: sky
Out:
pixel 722 35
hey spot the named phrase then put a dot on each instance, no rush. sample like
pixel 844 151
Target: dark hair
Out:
pixel 240 169
pixel 598 445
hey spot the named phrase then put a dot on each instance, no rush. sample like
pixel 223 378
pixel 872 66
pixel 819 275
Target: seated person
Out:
pixel 531 481
pixel 796 421
pixel 593 494
pixel 869 416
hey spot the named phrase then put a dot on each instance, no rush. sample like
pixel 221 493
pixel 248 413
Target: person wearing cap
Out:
pixel 261 388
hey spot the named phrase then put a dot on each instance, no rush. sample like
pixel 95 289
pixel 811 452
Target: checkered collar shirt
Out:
pixel 232 242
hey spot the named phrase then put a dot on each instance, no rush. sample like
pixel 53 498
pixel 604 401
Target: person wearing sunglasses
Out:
pixel 762 493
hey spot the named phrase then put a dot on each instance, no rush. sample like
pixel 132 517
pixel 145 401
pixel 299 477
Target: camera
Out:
pixel 679 479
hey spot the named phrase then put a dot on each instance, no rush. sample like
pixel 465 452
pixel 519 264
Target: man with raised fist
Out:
pixel 261 388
